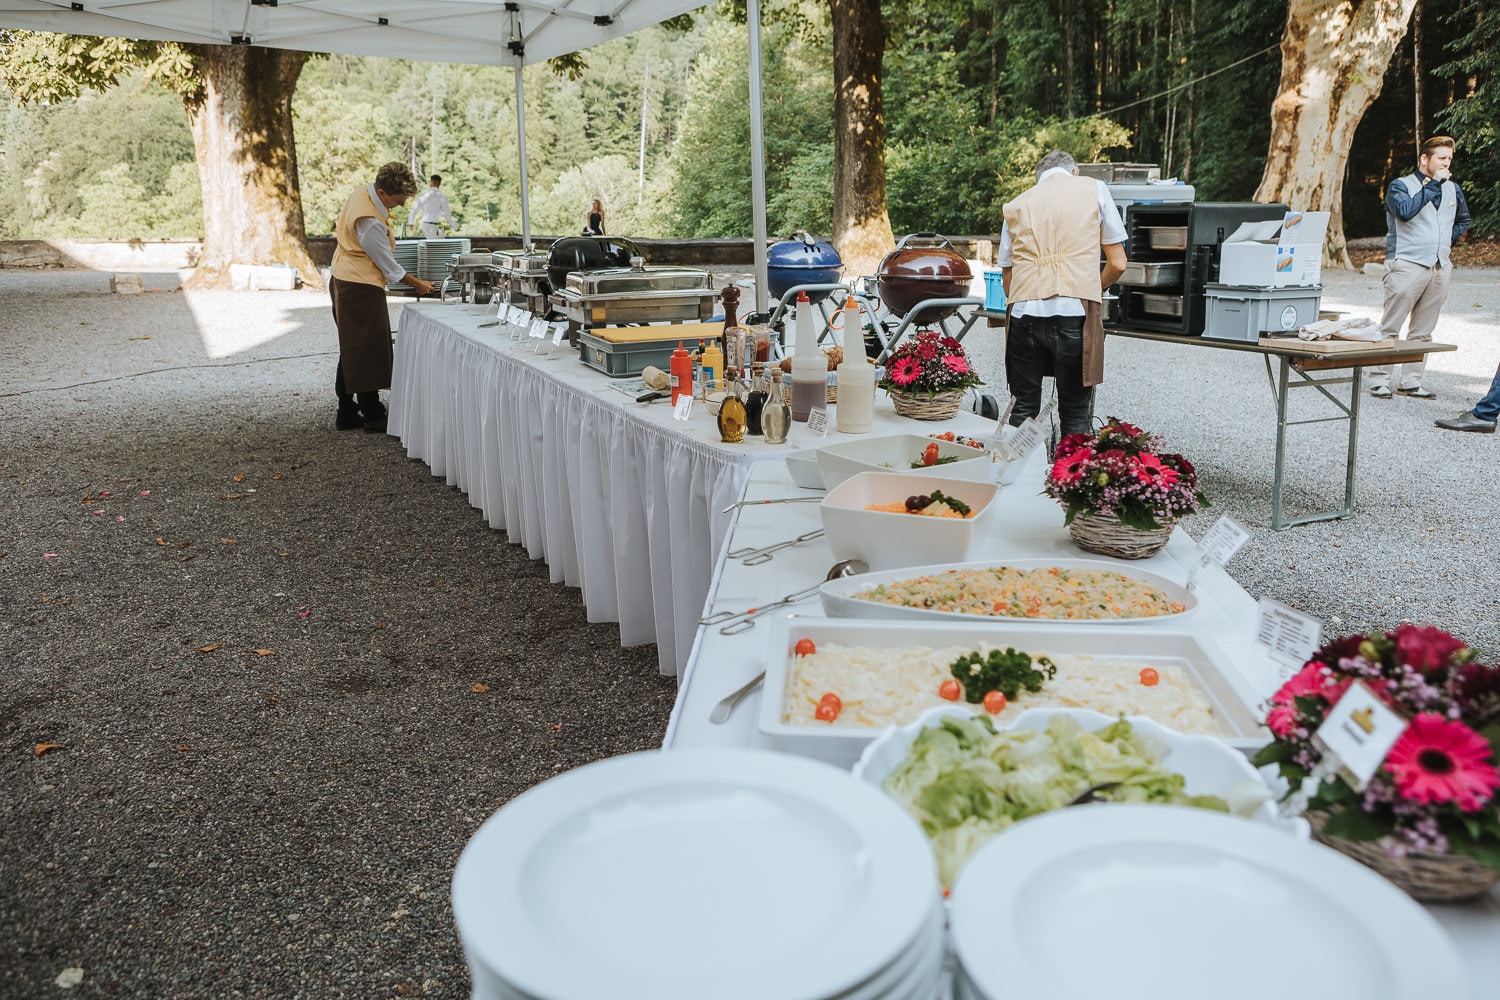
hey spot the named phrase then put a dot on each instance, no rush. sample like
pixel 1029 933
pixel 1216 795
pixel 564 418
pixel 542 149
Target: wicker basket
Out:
pixel 1103 533
pixel 1430 878
pixel 927 406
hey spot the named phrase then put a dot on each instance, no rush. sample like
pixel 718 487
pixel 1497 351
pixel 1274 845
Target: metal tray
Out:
pixel 1151 275
pixel 672 305
pixel 1166 237
pixel 635 280
pixel 1162 305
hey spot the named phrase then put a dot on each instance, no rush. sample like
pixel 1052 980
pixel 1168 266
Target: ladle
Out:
pixel 845 567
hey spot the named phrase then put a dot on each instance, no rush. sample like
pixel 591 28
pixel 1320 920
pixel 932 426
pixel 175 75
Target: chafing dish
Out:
pixel 637 294
pixel 524 275
pixel 1166 237
pixel 470 276
pixel 1162 305
pixel 1150 275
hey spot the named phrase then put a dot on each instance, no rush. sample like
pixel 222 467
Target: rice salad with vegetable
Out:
pixel 1008 592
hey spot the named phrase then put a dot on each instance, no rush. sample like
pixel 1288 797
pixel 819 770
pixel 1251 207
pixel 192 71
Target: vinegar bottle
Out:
pixel 732 410
pixel 809 368
pixel 776 416
pixel 755 403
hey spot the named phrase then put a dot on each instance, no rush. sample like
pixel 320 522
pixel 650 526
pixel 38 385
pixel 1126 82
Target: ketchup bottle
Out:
pixel 681 371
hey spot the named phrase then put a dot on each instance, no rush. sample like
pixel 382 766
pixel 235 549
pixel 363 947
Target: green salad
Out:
pixel 965 782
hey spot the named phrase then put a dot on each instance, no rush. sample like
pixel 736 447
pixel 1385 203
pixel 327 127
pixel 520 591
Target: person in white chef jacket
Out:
pixel 432 209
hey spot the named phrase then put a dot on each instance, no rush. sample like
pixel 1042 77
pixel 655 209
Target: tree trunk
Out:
pixel 861 224
pixel 1334 55
pixel 247 162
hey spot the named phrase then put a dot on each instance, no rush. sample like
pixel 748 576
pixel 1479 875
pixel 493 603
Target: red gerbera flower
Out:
pixel 1436 760
pixel 1069 468
pixel 927 351
pixel 1149 469
pixel 1072 443
pixel 905 371
pixel 956 364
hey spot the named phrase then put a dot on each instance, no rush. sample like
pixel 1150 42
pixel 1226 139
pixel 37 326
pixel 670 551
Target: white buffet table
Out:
pixel 1031 526
pixel 621 500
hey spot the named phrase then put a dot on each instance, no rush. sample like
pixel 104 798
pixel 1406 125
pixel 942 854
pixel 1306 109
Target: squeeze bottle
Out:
pixel 855 412
pixel 713 366
pixel 809 368
pixel 682 373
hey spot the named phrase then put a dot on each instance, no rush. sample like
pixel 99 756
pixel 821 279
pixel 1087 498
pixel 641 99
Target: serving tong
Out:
pixel 754 556
pixel 746 618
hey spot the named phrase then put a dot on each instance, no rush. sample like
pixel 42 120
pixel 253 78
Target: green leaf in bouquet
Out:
pixel 1353 823
pixel 1275 752
pixel 1485 850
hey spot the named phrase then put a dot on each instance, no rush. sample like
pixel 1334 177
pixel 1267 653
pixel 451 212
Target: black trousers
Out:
pixel 369 402
pixel 1038 346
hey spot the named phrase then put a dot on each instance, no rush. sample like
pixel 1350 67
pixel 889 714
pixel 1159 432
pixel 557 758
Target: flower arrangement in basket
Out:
pixel 1428 820
pixel 928 375
pixel 1122 495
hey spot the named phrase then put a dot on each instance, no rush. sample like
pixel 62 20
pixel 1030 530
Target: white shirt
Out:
pixel 375 240
pixel 1111 230
pixel 432 206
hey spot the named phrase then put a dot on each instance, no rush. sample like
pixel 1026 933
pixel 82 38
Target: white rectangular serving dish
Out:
pixel 839 600
pixel 886 540
pixel 1203 661
pixel 895 453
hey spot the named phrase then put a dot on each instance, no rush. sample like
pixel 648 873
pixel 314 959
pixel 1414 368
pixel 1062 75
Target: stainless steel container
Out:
pixel 525 279
pixel 1162 305
pixel 1152 275
pixel 470 276
pixel 1166 237
pixel 622 295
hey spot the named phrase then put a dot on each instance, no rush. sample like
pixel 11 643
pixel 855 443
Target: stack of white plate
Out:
pixel 710 873
pixel 1174 903
pixel 407 252
pixel 433 257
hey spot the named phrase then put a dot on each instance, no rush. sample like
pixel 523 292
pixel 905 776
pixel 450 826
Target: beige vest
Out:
pixel 350 262
pixel 1054 233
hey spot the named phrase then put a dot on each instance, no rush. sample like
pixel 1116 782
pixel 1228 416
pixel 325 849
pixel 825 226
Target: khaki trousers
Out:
pixel 1414 291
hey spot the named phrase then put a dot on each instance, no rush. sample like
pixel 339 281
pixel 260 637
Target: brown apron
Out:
pixel 1093 343
pixel 364 325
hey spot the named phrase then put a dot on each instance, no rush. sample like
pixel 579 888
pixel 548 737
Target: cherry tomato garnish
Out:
pixel 805 647
pixel 995 702
pixel 829 707
pixel 1150 677
pixel 948 690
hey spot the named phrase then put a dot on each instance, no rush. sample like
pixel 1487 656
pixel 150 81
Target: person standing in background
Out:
pixel 1425 215
pixel 1049 261
pixel 364 261
pixel 593 223
pixel 1482 417
pixel 431 208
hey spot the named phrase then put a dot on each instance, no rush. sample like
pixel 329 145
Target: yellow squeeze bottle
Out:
pixel 713 366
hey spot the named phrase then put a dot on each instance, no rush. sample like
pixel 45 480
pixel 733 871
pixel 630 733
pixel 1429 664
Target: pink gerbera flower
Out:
pixel 1148 469
pixel 905 371
pixel 1069 468
pixel 1436 760
pixel 1424 648
pixel 956 364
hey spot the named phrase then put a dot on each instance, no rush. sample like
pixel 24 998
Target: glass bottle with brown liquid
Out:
pixel 756 401
pixel 732 410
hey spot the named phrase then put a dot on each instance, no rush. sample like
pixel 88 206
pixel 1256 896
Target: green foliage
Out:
pixel 339 142
pixel 1472 118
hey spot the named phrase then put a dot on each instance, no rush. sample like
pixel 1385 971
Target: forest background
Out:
pixel 657 124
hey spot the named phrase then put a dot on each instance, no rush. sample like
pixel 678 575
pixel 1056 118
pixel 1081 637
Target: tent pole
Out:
pixel 521 136
pixel 757 155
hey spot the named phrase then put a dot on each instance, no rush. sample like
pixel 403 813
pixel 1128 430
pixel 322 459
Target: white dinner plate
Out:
pixel 694 873
pixel 1173 903
pixel 840 600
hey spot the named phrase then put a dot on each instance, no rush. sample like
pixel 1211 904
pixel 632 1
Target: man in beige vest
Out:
pixel 1049 259
pixel 364 262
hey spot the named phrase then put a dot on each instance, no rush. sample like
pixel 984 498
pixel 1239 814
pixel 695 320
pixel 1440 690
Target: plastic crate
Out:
pixel 625 360
pixel 994 291
pixel 1236 312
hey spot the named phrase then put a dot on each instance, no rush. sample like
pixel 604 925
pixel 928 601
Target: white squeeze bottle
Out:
pixel 855 412
pixel 809 366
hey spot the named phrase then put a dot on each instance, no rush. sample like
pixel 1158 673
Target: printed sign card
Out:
pixel 1287 633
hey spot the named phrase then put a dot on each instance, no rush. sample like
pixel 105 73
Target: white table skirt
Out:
pixel 621 500
pixel 1032 527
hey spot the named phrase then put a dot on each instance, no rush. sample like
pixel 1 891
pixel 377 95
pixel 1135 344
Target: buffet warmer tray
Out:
pixel 640 294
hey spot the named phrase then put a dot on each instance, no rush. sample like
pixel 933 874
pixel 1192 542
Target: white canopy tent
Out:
pixel 487 32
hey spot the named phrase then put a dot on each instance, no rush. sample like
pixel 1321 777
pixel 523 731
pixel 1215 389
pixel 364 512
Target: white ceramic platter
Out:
pixel 895 453
pixel 1205 664
pixel 1174 903
pixel 694 873
pixel 841 600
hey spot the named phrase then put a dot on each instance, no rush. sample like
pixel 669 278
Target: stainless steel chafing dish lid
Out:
pixel 627 281
pixel 522 262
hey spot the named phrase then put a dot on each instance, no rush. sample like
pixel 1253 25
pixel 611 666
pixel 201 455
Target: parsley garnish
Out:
pixel 1007 672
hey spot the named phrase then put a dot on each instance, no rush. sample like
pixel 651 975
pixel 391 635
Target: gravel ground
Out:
pixel 264 645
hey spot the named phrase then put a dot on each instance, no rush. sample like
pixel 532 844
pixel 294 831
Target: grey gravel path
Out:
pixel 279 815
pixel 257 640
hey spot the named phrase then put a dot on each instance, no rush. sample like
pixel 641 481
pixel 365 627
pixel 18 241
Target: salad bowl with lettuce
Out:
pixel 966 780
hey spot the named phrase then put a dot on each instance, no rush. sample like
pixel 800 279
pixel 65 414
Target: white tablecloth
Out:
pixel 621 500
pixel 1031 527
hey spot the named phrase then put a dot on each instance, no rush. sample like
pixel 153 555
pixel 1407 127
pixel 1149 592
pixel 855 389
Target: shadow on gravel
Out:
pixel 286 673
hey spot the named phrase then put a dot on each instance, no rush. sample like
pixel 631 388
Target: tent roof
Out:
pixel 458 31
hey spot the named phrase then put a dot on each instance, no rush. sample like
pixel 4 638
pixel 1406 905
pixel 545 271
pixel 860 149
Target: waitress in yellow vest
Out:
pixel 363 263
pixel 1049 260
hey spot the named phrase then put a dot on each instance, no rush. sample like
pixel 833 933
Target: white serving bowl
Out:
pixel 1209 765
pixel 895 453
pixel 803 467
pixel 887 540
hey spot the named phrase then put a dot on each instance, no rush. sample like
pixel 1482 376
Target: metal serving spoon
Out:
pixel 721 712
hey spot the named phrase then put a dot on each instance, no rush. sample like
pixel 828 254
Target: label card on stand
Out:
pixel 684 407
pixel 1360 730
pixel 538 328
pixel 1223 540
pixel 1287 633
pixel 1027 436
pixel 817 421
pixel 559 333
